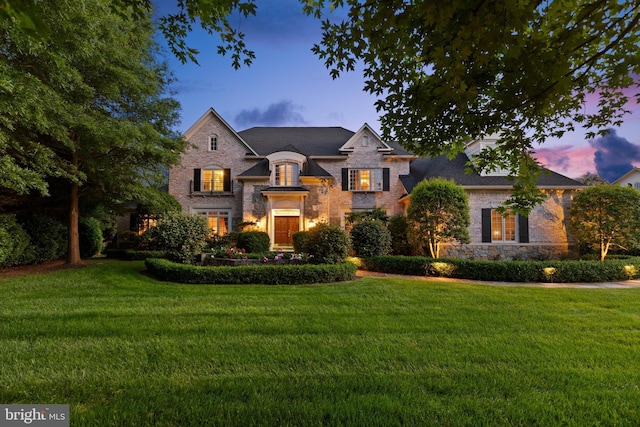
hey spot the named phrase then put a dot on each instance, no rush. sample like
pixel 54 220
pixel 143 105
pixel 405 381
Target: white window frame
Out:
pixel 213 183
pixel 215 215
pixel 213 142
pixel 366 179
pixel 286 174
pixel 504 229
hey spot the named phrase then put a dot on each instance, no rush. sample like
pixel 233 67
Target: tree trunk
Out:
pixel 73 255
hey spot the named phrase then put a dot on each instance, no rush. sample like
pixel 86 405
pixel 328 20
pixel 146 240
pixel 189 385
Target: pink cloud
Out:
pixel 567 160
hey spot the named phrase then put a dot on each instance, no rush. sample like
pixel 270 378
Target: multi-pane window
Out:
pixel 503 228
pixel 213 142
pixel 365 180
pixel 217 220
pixel 286 174
pixel 212 180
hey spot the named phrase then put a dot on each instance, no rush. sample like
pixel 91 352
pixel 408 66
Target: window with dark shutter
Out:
pixel 227 180
pixel 345 179
pixel 523 228
pixel 486 225
pixel 196 179
pixel 385 180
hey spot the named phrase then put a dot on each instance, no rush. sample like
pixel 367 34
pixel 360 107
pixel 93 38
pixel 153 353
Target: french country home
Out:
pixel 287 179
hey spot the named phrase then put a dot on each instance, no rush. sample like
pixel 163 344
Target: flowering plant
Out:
pixel 233 253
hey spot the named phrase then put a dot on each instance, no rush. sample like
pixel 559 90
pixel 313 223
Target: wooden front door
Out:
pixel 285 227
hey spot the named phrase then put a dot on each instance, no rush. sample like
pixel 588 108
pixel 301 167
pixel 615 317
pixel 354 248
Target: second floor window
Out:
pixel 213 180
pixel 365 179
pixel 286 174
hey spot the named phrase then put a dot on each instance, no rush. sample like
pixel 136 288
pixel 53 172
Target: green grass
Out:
pixel 125 350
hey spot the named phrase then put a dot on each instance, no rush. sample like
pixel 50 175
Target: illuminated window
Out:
pixel 217 220
pixel 503 228
pixel 213 179
pixel 365 180
pixel 286 174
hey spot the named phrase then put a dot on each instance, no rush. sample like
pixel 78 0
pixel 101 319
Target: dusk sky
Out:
pixel 287 85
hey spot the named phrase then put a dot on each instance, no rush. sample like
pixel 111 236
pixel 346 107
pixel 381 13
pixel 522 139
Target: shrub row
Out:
pixel 508 271
pixel 166 270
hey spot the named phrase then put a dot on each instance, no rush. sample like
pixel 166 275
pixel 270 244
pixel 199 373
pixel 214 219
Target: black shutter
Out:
pixel 196 179
pixel 523 228
pixel 227 180
pixel 385 179
pixel 345 179
pixel 133 222
pixel 486 225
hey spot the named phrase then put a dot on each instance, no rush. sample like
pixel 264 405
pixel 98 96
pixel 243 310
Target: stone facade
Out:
pixel 254 196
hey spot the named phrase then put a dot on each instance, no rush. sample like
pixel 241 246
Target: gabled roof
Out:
pixel 365 130
pixel 624 177
pixel 441 166
pixel 211 112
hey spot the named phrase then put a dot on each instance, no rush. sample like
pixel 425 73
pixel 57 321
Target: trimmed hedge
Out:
pixel 508 271
pixel 166 270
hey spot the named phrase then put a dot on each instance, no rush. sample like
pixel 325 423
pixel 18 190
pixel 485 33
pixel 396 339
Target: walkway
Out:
pixel 626 284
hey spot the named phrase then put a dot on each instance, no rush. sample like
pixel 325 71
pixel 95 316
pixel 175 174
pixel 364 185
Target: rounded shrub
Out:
pixel 15 244
pixel 90 235
pixel 48 237
pixel 328 244
pixel 253 241
pixel 182 236
pixel 370 238
pixel 300 242
pixel 399 228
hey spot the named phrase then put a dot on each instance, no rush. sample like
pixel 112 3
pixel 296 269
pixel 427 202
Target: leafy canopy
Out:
pixel 605 216
pixel 449 72
pixel 438 212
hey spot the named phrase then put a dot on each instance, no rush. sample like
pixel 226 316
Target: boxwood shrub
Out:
pixel 166 270
pixel 254 241
pixel 508 271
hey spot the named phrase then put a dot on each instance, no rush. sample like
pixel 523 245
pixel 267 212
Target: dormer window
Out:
pixel 213 142
pixel 286 174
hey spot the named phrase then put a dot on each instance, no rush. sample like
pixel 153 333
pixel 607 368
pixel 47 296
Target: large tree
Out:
pixel 438 213
pixel 447 72
pixel 83 106
pixel 605 216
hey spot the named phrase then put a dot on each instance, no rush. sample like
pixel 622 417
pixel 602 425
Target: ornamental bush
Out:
pixel 15 244
pixel 370 238
pixel 253 241
pixel 182 236
pixel 49 238
pixel 90 235
pixel 328 244
pixel 300 242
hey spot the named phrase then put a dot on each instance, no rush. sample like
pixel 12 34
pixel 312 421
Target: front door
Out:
pixel 285 227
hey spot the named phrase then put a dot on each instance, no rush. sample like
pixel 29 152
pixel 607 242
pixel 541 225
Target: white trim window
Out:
pixel 365 180
pixel 218 220
pixel 213 142
pixel 286 174
pixel 213 179
pixel 503 228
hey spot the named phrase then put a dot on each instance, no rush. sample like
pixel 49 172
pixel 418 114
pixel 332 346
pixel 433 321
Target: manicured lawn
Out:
pixel 125 350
